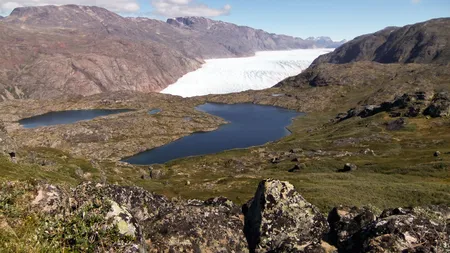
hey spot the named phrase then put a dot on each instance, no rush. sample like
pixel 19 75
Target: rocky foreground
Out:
pixel 103 217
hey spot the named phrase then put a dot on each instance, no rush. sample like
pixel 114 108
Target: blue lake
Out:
pixel 66 117
pixel 249 125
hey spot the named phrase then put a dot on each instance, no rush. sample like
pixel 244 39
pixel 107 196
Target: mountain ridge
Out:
pixel 425 42
pixel 72 50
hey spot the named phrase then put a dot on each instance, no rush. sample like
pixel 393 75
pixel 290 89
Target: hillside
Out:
pixel 427 42
pixel 65 51
pixel 373 147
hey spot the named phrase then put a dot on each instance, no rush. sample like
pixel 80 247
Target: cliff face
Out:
pixel 427 42
pixel 54 51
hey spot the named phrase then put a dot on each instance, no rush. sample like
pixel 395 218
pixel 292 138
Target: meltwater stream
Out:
pixel 249 125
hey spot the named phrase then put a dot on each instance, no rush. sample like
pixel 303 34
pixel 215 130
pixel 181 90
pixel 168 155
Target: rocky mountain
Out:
pixel 54 51
pixel 242 40
pixel 427 42
pixel 326 42
pixel 379 59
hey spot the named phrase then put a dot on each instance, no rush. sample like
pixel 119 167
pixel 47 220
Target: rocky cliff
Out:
pixel 54 51
pixel 242 40
pixel 100 217
pixel 427 42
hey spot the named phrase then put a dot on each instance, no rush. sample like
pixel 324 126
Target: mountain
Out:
pixel 54 51
pixel 427 42
pixel 325 42
pixel 242 40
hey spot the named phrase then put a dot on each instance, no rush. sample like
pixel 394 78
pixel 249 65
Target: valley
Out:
pixel 305 150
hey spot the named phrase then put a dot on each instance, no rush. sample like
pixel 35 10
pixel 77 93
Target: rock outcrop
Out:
pixel 279 219
pixel 402 230
pixel 407 105
pixel 100 217
pixel 439 106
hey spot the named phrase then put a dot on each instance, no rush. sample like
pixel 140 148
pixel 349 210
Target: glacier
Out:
pixel 228 75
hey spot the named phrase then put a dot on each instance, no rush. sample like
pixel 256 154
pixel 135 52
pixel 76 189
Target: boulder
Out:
pixel 279 219
pixel 345 222
pixel 348 167
pixel 123 220
pixel 437 153
pixel 275 160
pixel 157 173
pixel 404 230
pixel 439 106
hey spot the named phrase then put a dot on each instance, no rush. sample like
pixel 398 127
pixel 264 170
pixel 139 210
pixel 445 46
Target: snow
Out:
pixel 264 70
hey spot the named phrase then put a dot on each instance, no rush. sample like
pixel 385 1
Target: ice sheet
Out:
pixel 264 70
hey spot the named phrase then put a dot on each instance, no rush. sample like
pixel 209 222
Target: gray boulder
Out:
pixel 279 219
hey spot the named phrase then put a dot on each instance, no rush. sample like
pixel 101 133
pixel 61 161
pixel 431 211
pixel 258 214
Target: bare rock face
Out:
pixel 426 42
pixel 279 219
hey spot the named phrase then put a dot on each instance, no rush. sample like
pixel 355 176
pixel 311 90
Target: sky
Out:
pixel 338 19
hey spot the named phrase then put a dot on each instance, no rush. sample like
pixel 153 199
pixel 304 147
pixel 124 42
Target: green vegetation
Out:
pixel 25 229
pixel 403 171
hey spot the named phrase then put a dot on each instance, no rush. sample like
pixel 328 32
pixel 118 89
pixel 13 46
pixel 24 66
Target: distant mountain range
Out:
pixel 54 51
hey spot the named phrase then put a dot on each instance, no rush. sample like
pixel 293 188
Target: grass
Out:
pixel 403 172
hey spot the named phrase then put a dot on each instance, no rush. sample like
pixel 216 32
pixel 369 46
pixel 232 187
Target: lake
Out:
pixel 249 125
pixel 66 117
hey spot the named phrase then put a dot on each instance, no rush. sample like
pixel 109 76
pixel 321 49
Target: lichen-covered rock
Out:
pixel 402 230
pixel 345 222
pixel 122 219
pixel 167 225
pixel 279 219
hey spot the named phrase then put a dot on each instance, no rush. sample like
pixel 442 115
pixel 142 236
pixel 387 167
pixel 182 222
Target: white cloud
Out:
pixel 6 6
pixel 177 8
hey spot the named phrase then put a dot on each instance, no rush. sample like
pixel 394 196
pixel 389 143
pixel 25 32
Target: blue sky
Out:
pixel 339 19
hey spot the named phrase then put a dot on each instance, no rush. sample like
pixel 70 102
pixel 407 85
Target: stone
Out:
pixel 404 230
pixel 345 222
pixel 123 219
pixel 368 151
pixel 348 167
pixel 275 160
pixel 439 106
pixel 279 219
pixel 157 173
pixel 437 153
